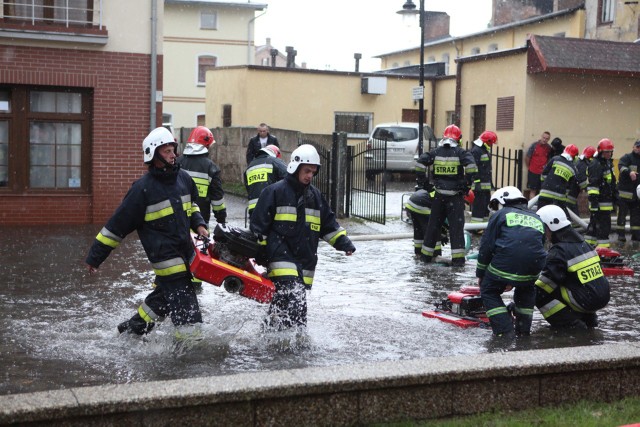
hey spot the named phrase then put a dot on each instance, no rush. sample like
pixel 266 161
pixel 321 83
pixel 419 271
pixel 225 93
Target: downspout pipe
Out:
pixel 250 37
pixel 154 64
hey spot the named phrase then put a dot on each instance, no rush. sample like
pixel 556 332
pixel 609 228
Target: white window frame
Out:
pixel 203 55
pixel 446 59
pixel 206 16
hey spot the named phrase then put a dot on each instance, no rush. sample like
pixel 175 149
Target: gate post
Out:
pixel 338 172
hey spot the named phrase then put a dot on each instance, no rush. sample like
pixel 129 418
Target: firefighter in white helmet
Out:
pixel 265 169
pixel 290 218
pixel 511 255
pixel 161 208
pixel 571 286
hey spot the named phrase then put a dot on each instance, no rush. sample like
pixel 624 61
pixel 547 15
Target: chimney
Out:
pixel 357 57
pixel 268 41
pixel 291 57
pixel 274 55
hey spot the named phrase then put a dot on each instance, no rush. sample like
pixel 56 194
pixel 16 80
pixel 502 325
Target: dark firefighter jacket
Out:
pixel 558 176
pixel 290 218
pixel 581 181
pixel 601 189
pixel 482 158
pixel 159 207
pixel 630 162
pixel 512 246
pixel 573 269
pixel 453 169
pixel 206 175
pixel 420 202
pixel 264 170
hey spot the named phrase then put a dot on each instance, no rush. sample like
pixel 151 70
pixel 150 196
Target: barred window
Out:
pixel 505 113
pixel 356 125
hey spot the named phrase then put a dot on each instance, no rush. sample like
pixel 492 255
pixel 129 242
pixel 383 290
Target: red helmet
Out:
pixel 272 150
pixel 489 137
pixel 469 197
pixel 202 135
pixel 571 150
pixel 588 152
pixel 605 144
pixel 453 132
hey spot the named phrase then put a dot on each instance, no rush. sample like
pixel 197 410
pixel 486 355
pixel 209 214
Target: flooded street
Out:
pixel 58 325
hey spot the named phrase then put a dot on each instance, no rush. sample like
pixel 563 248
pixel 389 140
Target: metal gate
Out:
pixel 322 181
pixel 366 191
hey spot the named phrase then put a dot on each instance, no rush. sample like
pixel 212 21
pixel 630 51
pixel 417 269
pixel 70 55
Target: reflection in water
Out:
pixel 58 325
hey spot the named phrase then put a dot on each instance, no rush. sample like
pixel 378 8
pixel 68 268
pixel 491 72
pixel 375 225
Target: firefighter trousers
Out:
pixel 173 297
pixel 289 305
pixel 599 228
pixel 504 321
pixel 450 209
pixel 631 208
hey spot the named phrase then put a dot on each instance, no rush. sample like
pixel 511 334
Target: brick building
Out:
pixel 76 102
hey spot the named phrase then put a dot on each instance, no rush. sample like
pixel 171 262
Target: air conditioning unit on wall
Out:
pixel 373 85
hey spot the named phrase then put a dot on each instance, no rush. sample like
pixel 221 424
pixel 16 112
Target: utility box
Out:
pixel 374 85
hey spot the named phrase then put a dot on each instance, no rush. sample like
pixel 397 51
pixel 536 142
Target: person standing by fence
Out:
pixel 482 185
pixel 536 158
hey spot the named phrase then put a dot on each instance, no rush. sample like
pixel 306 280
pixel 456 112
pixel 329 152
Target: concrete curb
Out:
pixel 348 395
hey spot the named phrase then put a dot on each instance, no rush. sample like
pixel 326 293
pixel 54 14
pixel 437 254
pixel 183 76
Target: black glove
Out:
pixel 444 235
pixel 221 216
pixel 261 256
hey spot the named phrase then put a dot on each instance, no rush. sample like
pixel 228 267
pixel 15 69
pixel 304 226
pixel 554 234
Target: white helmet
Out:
pixel 553 217
pixel 505 195
pixel 156 138
pixel 304 154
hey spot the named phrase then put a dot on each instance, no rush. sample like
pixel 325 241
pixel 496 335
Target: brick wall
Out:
pixel 121 85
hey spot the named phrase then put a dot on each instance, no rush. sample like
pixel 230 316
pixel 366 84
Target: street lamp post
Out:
pixel 409 11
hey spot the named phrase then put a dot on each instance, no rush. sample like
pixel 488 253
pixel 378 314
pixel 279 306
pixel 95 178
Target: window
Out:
pixel 493 47
pixel 431 59
pixel 445 59
pixel 44 139
pixel 606 11
pixel 200 120
pixel 356 125
pixel 505 113
pixel 395 65
pixel 208 21
pixel 475 50
pixel 451 117
pixel 226 115
pixel 58 12
pixel 205 63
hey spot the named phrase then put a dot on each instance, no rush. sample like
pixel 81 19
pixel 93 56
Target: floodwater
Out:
pixel 58 324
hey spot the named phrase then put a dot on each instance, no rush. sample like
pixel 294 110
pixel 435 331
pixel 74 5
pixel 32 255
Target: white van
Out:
pixel 402 147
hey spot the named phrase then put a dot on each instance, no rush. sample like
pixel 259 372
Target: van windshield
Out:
pixel 397 134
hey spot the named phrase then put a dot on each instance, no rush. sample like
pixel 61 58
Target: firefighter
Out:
pixel 265 169
pixel 571 286
pixel 453 171
pixel 206 174
pixel 418 208
pixel 511 255
pixel 581 181
pixel 628 203
pixel 601 191
pixel 558 176
pixel 290 218
pixel 161 207
pixel 482 185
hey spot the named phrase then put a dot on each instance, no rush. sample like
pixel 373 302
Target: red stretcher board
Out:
pixel 456 320
pixel 211 270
